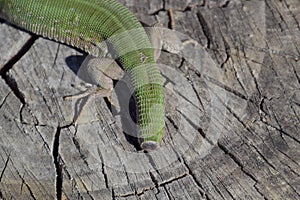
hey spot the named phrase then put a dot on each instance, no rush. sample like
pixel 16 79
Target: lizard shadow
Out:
pixel 74 62
pixel 125 111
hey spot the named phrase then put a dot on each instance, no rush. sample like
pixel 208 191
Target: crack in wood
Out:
pixel 46 145
pixel 295 112
pixel 279 128
pixel 4 168
pixel 266 50
pixel 190 81
pixel 10 63
pixel 296 74
pixel 293 187
pixel 264 158
pixel 168 193
pixel 74 183
pixel 226 189
pixel 228 89
pixel 113 195
pixel 85 188
pixel 205 28
pixel 237 161
pixel 286 133
pixel 166 182
pixel 45 99
pixel 12 84
pixel 280 16
pixel 238 119
pixel 23 50
pixel 259 192
pixel 262 112
pixel 227 51
pixel 83 157
pixel 252 75
pixel 157 185
pixel 151 161
pixel 198 128
pixel 191 173
pixel 4 99
pixel 26 185
pixel 154 181
pixel 103 168
pixel 132 185
pixel 188 100
pixel 58 167
pixel 77 146
pixel 173 123
pixel 236 74
pixel 56 55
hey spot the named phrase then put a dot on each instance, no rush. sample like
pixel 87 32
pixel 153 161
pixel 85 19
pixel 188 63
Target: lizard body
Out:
pixel 85 24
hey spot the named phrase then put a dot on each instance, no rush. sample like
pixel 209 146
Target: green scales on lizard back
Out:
pixel 85 24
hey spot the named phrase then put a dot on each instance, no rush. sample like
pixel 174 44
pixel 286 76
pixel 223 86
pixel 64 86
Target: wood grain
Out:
pixel 232 117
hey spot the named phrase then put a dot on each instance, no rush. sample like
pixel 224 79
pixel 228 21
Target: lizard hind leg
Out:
pixel 98 74
pixel 100 71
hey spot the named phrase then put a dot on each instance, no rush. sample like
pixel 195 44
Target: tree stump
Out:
pixel 232 111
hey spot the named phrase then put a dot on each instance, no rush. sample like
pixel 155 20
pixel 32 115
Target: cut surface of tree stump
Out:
pixel 232 111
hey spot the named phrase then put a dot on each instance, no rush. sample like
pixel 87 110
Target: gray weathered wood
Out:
pixel 232 112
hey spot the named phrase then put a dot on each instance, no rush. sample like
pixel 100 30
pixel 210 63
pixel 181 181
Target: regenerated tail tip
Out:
pixel 149 146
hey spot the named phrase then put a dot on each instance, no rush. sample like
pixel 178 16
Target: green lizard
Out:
pixel 84 24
